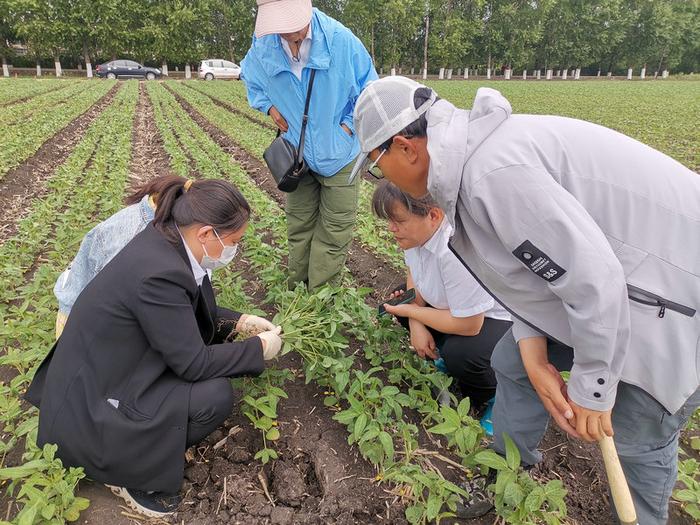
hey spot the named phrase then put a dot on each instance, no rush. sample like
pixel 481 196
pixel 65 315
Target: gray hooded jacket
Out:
pixel 584 234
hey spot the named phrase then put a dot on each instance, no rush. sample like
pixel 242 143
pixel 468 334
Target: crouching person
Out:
pixel 452 317
pixel 141 370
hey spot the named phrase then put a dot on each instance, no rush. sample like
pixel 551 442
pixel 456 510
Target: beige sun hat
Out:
pixel 282 16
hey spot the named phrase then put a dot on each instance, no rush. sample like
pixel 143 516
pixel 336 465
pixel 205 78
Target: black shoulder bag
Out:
pixel 286 164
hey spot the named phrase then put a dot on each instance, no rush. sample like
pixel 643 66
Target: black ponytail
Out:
pixel 182 202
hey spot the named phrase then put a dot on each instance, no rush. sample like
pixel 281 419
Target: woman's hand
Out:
pixel 271 343
pixel 253 325
pixel 422 341
pixel 401 310
pixel 278 119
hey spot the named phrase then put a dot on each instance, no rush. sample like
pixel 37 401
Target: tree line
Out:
pixel 606 36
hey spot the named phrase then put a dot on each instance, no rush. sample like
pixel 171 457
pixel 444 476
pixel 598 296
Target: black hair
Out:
pixel 388 195
pixel 417 128
pixel 209 201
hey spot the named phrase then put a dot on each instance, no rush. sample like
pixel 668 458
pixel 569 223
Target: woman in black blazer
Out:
pixel 141 371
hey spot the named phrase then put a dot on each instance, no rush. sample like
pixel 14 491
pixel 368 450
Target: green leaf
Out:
pixel 360 424
pixel 513 494
pixel 388 446
pixel 686 495
pixel 330 401
pixel 414 513
pixel 443 428
pixel 512 453
pixel 433 507
pixel 491 460
pixel 273 434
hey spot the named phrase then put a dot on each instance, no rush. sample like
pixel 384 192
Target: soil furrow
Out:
pixel 148 157
pixel 27 181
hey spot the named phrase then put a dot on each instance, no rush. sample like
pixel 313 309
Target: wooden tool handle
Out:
pixel 618 484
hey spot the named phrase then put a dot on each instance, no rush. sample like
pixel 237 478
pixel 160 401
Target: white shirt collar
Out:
pixel 436 243
pixel 304 53
pixel 197 269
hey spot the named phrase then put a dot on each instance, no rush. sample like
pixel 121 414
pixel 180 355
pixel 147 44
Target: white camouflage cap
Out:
pixel 383 109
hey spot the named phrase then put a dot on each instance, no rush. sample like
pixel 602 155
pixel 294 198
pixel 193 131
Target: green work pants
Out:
pixel 321 216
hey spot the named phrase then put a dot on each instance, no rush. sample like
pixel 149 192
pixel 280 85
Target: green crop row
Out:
pixel 19 88
pixel 23 138
pixel 232 93
pixel 87 188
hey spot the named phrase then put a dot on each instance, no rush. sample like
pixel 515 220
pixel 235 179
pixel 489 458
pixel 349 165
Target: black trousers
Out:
pixel 211 402
pixel 468 358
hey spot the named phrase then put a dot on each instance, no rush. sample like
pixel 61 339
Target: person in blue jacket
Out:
pixel 292 38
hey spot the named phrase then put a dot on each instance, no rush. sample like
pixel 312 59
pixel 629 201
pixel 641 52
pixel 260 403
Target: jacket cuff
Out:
pixel 347 120
pixel 265 108
pixel 592 390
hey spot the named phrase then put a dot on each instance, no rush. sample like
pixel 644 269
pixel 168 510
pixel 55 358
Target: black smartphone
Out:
pixel 406 297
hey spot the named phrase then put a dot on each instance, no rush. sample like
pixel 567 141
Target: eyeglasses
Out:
pixel 372 169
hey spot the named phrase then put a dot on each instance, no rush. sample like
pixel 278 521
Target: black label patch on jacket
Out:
pixel 538 262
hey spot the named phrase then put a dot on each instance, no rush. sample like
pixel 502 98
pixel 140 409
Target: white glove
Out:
pixel 252 325
pixel 271 342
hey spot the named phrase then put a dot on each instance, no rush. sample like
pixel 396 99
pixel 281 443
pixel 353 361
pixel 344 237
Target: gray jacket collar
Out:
pixel 449 151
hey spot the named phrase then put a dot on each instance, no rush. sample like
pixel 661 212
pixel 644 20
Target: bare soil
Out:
pixel 148 157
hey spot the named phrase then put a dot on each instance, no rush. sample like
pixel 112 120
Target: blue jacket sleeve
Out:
pixel 363 74
pixel 253 75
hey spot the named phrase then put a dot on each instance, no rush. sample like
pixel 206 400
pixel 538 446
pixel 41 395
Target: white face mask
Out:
pixel 227 255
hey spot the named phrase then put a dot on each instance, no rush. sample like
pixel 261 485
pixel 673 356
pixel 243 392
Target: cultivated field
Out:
pixel 344 429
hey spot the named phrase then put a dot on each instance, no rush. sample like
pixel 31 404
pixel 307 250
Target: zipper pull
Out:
pixel 662 310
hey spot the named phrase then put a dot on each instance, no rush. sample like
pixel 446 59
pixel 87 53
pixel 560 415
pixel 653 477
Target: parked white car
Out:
pixel 217 68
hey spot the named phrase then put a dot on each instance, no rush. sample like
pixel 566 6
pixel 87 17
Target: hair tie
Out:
pixel 187 186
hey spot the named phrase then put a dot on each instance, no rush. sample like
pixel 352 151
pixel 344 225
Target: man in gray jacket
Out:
pixel 590 239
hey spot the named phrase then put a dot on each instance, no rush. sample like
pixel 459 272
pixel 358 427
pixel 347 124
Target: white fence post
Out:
pixel 441 73
pixel 524 74
pixel 538 74
pixel 38 70
pixel 57 66
pixel 643 73
pixel 188 72
pixel 466 73
pixel 549 74
pixel 629 73
pixel 564 73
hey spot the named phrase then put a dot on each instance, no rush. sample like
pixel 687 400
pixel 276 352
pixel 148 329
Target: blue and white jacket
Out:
pixel 98 247
pixel 343 69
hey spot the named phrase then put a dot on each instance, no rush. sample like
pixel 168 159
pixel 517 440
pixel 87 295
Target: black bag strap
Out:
pixel 305 118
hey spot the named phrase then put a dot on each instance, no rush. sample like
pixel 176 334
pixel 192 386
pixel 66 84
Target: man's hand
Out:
pixel 278 119
pixel 253 325
pixel 346 129
pixel 592 425
pixel 422 341
pixel 551 389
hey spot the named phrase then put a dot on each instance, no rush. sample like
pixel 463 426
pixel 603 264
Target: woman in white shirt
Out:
pixel 452 317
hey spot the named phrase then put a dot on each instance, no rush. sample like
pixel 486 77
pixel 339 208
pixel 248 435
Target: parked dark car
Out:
pixel 127 69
